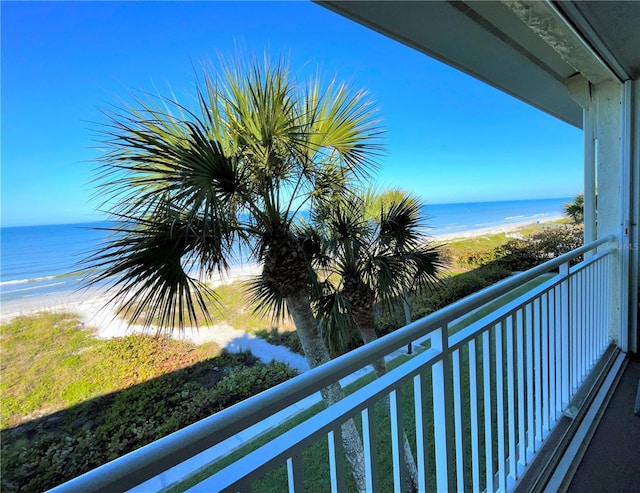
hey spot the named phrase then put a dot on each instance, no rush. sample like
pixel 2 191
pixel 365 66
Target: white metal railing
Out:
pixel 483 398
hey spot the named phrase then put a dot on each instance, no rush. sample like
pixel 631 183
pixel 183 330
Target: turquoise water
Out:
pixel 42 260
pixel 454 218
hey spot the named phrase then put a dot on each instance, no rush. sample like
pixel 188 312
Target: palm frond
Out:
pixel 336 321
pixel 266 299
pixel 186 183
pixel 147 263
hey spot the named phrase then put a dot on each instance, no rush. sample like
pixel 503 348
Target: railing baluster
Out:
pixel 573 294
pixel 605 297
pixel 537 370
pixel 597 301
pixel 580 328
pixel 589 303
pixel 474 404
pixel 565 349
pixel 370 443
pixel 397 442
pixel 559 354
pixel 457 405
pixel 553 330
pixel 511 399
pixel 521 368
pixel 592 316
pixel 295 473
pixel 528 315
pixel 419 395
pixel 442 413
pixel 488 436
pixel 336 460
pixel 578 331
pixel 585 328
pixel 544 306
pixel 500 407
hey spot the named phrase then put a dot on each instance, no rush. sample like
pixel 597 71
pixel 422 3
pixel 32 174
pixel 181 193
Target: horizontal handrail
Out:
pixel 146 462
pixel 322 422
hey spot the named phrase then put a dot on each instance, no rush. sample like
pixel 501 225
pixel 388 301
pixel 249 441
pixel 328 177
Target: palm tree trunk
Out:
pixel 368 335
pixel 316 352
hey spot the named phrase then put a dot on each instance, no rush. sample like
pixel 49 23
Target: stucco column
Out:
pixel 631 180
pixel 609 173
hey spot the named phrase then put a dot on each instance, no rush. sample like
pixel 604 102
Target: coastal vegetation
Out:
pixel 71 402
pixel 372 252
pixel 59 417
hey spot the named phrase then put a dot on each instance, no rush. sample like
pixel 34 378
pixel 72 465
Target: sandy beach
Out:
pixel 492 230
pixel 95 310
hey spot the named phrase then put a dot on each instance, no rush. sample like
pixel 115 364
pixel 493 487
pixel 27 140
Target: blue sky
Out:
pixel 449 137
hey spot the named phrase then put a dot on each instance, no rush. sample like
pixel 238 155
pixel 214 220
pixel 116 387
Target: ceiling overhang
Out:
pixel 534 51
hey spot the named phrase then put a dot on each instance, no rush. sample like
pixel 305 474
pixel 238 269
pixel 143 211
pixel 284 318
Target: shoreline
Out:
pixel 92 304
pixel 493 230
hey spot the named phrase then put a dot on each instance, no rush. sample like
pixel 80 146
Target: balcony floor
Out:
pixel 612 460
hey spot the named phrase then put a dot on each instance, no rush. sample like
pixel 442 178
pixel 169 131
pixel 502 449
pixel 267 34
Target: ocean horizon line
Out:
pixel 425 204
pixel 47 258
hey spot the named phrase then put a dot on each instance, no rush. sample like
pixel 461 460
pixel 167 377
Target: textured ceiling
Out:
pixel 529 49
pixel 617 25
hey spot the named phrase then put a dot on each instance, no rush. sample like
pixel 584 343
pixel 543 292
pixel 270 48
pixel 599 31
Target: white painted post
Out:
pixel 443 412
pixel 537 368
pixel 336 460
pixel 565 327
pixel 522 370
pixel 457 405
pixel 370 443
pixel 397 444
pixel 528 327
pixel 500 408
pixel 474 404
pixel 486 384
pixel 544 334
pixel 421 414
pixel 632 150
pixel 612 193
pixel 295 473
pixel 511 399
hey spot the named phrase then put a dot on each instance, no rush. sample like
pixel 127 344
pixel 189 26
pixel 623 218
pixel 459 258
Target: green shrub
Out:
pixel 42 454
pixel 525 253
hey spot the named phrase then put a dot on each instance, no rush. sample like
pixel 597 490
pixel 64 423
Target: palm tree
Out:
pixel 188 186
pixel 375 251
pixel 575 209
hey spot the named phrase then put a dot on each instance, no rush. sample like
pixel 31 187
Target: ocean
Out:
pixel 44 260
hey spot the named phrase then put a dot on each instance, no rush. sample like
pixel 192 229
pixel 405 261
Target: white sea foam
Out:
pixel 24 281
pixel 31 288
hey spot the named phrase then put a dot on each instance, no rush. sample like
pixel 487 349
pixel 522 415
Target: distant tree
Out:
pixel 575 209
pixel 187 186
pixel 375 251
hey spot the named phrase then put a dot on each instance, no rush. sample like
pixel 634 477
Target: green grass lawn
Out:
pixel 50 362
pixel 71 402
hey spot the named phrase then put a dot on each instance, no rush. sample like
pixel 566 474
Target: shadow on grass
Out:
pixel 44 452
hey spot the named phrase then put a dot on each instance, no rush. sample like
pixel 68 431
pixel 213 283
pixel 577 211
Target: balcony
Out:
pixel 482 406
